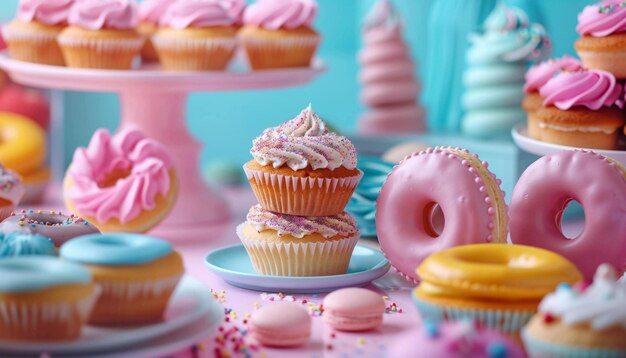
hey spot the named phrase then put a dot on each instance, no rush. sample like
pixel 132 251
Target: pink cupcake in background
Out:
pixel 150 13
pixel 102 34
pixel 279 33
pixel 32 35
pixel 198 35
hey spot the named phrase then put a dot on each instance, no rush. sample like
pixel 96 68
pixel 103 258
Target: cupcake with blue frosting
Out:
pixel 25 244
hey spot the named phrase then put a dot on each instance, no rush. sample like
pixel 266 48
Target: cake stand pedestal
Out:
pixel 154 102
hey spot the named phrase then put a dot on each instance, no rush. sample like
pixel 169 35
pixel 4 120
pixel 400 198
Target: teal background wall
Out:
pixel 227 122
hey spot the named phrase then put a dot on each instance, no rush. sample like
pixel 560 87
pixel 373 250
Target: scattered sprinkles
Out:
pixel 29 218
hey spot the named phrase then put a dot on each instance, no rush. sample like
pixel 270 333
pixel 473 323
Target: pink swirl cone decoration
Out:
pixel 389 87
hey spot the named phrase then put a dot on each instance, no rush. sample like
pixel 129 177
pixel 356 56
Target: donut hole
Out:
pixel 109 179
pixel 433 219
pixel 571 209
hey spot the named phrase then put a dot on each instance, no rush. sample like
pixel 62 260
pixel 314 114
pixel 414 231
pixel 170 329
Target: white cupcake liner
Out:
pixel 124 291
pixel 25 34
pixel 287 195
pixel 537 348
pixel 102 45
pixel 194 44
pixel 299 259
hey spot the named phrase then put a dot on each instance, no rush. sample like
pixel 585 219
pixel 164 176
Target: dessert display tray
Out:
pixel 233 264
pixel 191 309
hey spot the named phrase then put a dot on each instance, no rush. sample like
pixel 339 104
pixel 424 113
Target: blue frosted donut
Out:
pixel 25 244
pixel 35 273
pixel 115 249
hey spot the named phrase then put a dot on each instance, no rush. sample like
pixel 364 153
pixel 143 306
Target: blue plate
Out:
pixel 233 265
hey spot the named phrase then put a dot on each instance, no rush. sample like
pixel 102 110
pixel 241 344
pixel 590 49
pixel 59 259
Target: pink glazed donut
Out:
pixel 598 183
pixel 451 179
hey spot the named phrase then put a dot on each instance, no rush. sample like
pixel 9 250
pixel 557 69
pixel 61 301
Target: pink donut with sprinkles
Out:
pixel 598 183
pixel 452 180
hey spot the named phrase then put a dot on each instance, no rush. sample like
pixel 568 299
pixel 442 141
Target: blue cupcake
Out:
pixel 25 244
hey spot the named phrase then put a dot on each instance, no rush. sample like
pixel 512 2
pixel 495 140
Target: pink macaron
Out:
pixel 353 309
pixel 281 324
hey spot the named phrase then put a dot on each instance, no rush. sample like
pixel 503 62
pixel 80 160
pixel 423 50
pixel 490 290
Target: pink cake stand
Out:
pixel 154 102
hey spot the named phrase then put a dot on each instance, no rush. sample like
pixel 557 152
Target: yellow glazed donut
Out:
pixel 499 285
pixel 22 144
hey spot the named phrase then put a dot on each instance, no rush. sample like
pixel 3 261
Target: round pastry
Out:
pixel 602 44
pixel 11 191
pixel 24 244
pixel 581 321
pixel 288 245
pixel 23 146
pixel 198 35
pixel 102 34
pixel 462 339
pixel 498 285
pixel 48 299
pixel 137 274
pixel 414 195
pixel 150 13
pixel 32 36
pixel 281 324
pixel 279 33
pixel 353 309
pixel 302 168
pixel 52 224
pixel 122 183
pixel 598 183
pixel 536 77
pixel 581 109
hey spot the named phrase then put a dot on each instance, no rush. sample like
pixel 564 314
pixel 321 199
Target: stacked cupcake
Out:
pixel 303 176
pixel 580 104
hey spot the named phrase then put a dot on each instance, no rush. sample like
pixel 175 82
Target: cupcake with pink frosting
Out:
pixel 536 77
pixel 581 109
pixel 121 183
pixel 198 35
pixel 279 33
pixel 32 35
pixel 150 13
pixel 102 34
pixel 602 44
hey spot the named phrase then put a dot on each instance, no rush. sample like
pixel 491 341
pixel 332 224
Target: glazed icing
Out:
pixel 22 244
pixel 603 19
pixel 302 142
pixel 592 89
pixel 115 249
pixel 601 305
pixel 146 161
pixel 387 77
pixel 11 187
pixel 55 225
pixel 35 273
pixel 49 12
pixel 299 226
pixel 104 14
pixel 151 11
pixel 203 13
pixel 281 14
pixel 540 74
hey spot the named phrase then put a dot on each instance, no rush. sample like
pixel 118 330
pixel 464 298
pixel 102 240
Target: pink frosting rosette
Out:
pixel 592 89
pixel 281 14
pixel 203 13
pixel 540 74
pixel 146 161
pixel 49 12
pixel 602 19
pixel 151 11
pixel 104 14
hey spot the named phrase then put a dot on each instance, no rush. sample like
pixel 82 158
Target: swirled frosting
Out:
pixel 151 11
pixel 23 244
pixel 11 187
pixel 602 19
pixel 281 14
pixel 601 305
pixel 540 74
pixel 146 162
pixel 104 14
pixel 302 142
pixel 299 226
pixel 203 13
pixel 49 12
pixel 592 89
